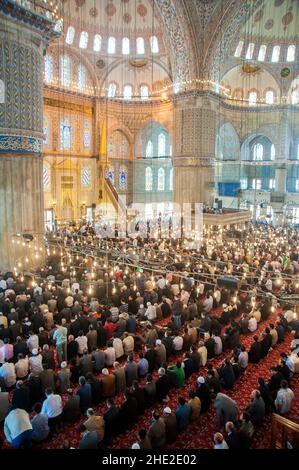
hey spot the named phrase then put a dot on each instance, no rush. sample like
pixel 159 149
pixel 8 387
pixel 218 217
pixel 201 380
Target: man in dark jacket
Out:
pixel 128 411
pixel 254 354
pixel 227 375
pixel 162 385
pixel 21 398
pixel 139 394
pixel 170 425
pixel 256 409
pixel 203 393
pixel 111 418
pixel 150 391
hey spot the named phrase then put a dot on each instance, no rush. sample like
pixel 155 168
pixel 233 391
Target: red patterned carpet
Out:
pixel 199 435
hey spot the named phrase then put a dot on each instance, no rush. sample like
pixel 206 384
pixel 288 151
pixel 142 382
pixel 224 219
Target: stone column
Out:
pixel 194 148
pixel 23 37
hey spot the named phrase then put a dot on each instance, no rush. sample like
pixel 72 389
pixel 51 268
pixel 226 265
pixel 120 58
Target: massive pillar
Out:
pixel 24 33
pixel 278 196
pixel 194 148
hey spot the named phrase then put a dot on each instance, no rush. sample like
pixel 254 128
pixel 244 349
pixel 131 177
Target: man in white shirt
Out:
pixel 178 343
pixel 219 442
pixel 161 283
pixel 284 398
pixel 128 344
pixel 7 371
pixel 52 407
pixel 252 324
pixel 289 316
pixel 22 367
pixel 18 429
pixel 118 347
pixel 82 342
pixel 35 363
pixel 32 341
pixel 150 312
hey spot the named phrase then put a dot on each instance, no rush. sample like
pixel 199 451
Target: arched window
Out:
pixel 46 177
pixel 250 50
pixel 144 93
pixel 262 53
pixel 86 176
pixel 48 68
pixel 161 179
pixel 272 152
pixel 69 39
pixel 154 44
pixel 269 98
pixel 258 152
pixel 171 180
pixel 148 179
pixel 128 92
pixel 252 98
pixel 149 152
pixel 109 174
pixel 65 70
pixel 65 135
pixel 275 54
pixel 111 45
pixel 97 43
pixel 122 178
pixel 86 134
pixel 111 90
pixel 295 97
pixel 291 53
pixel 126 46
pixel 161 145
pixel 140 46
pixel 239 48
pixel 81 77
pixel 83 40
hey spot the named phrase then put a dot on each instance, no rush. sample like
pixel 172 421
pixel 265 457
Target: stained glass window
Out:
pixel 122 178
pixel 291 53
pixel 86 134
pixel 126 46
pixel 149 152
pixel 262 53
pixel 65 70
pixel 239 48
pixel 161 179
pixel 97 43
pixel 144 93
pixel 109 174
pixel 111 45
pixel 81 77
pixel 48 68
pixel 250 51
pixel 128 92
pixel 275 54
pixel 140 46
pixel 252 98
pixel 46 176
pixel 154 44
pixel 111 90
pixel 69 39
pixel 83 40
pixel 65 135
pixel 269 97
pixel 258 152
pixel 46 132
pixel 148 179
pixel 86 177
pixel 162 145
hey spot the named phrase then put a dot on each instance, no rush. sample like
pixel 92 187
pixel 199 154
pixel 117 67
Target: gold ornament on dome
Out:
pixel 250 69
pixel 138 62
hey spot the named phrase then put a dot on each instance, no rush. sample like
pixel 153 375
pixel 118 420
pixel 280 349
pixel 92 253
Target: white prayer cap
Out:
pixel 167 410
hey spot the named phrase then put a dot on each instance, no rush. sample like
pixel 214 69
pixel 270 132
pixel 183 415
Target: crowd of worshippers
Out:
pixel 60 341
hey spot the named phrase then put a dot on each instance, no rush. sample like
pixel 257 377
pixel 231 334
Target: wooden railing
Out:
pixel 284 433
